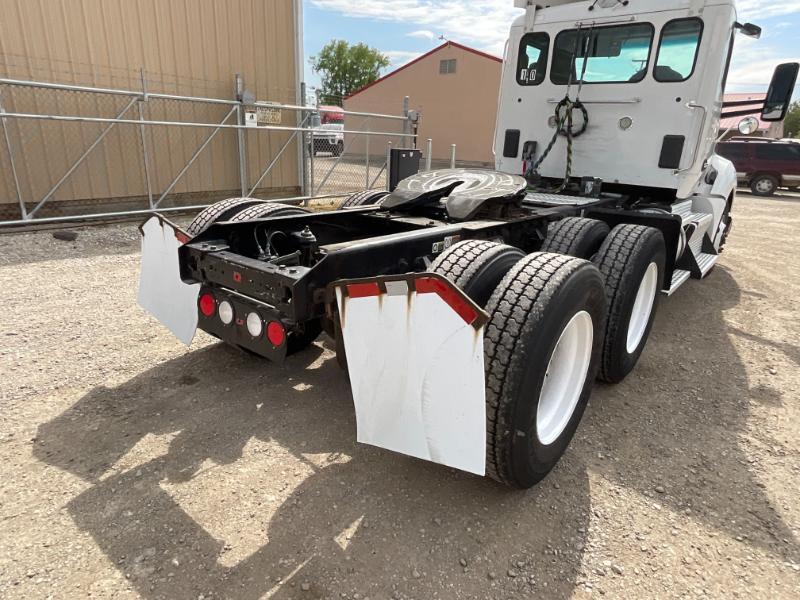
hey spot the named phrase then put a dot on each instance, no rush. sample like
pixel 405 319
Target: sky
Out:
pixel 404 29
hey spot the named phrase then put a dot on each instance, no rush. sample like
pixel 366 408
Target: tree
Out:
pixel 344 69
pixel 791 126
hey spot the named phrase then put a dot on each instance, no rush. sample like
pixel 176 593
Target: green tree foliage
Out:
pixel 344 69
pixel 791 127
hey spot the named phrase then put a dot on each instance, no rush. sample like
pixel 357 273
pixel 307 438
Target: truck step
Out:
pixel 679 277
pixel 558 199
pixel 682 208
pixel 696 243
pixel 702 220
pixel 706 262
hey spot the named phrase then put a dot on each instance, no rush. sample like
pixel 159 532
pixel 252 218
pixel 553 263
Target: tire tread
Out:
pixel 515 309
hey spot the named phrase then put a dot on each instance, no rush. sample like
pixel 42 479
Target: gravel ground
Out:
pixel 131 467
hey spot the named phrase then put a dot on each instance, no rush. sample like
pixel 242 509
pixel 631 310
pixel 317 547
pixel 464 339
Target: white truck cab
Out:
pixel 649 76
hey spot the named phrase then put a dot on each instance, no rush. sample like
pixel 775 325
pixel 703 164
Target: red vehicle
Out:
pixel 331 115
pixel 764 165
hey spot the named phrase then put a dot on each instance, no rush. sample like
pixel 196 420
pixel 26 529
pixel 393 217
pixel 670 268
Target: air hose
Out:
pixel 564 120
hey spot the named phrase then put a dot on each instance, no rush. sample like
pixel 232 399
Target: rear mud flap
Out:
pixel 162 293
pixel 414 349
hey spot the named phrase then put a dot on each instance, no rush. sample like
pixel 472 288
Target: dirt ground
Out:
pixel 131 467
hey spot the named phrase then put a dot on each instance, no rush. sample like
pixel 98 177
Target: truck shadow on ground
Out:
pixel 358 520
pixel 675 430
pixel 363 520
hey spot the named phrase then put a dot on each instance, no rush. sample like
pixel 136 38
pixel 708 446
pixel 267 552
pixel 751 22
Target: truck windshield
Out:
pixel 618 54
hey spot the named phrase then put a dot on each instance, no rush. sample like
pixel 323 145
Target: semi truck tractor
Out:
pixel 473 310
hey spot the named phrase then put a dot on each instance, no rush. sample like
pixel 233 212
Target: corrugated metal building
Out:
pixel 455 89
pixel 185 47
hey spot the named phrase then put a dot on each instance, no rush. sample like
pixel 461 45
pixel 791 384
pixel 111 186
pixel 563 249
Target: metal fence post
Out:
pixel 301 140
pixel 428 154
pixel 453 156
pixel 23 212
pixel 311 152
pixel 407 122
pixel 366 153
pixel 388 166
pixel 143 138
pixel 240 139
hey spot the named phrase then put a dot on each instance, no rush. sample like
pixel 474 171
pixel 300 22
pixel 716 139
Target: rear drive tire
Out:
pixel 365 198
pixel 575 236
pixel 632 262
pixel 267 210
pixel 477 267
pixel 220 211
pixel 541 354
pixel 764 185
pixel 338 149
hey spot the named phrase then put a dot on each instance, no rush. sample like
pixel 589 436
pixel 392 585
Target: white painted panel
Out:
pixel 161 291
pixel 417 374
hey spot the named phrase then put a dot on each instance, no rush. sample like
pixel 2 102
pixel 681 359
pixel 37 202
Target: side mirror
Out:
pixel 748 125
pixel 779 96
pixel 750 30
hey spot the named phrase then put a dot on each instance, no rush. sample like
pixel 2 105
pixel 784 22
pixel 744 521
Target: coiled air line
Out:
pixel 564 117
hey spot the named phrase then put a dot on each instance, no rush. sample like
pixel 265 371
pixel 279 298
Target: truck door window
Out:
pixel 678 49
pixel 534 50
pixel 618 54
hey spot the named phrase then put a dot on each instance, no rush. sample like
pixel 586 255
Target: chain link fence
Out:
pixel 70 152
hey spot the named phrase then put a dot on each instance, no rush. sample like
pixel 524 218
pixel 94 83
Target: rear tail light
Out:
pixel 208 304
pixel 225 312
pixel 276 334
pixel 254 324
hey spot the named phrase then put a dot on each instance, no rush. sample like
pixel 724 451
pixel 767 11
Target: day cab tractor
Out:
pixel 474 309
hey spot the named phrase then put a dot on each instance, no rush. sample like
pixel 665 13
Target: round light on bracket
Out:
pixel 748 125
pixel 255 326
pixel 225 311
pixel 625 123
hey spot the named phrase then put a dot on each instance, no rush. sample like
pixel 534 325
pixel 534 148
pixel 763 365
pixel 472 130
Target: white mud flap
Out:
pixel 161 291
pixel 414 349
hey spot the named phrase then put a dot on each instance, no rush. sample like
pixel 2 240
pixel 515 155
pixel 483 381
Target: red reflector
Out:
pixel 208 305
pixel 363 290
pixel 237 277
pixel 276 334
pixel 431 285
pixel 182 237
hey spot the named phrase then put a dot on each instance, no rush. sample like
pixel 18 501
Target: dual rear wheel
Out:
pixel 557 323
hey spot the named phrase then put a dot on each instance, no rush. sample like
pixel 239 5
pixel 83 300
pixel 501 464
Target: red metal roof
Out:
pixel 733 122
pixel 426 55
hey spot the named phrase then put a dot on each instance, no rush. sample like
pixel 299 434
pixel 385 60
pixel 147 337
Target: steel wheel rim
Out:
pixel 764 185
pixel 565 378
pixel 642 308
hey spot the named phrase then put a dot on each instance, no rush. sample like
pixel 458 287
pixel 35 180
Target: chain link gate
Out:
pixel 74 152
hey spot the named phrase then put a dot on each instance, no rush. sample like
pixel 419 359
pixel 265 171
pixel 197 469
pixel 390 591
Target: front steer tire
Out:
pixel 536 306
pixel 477 266
pixel 575 236
pixel 632 262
